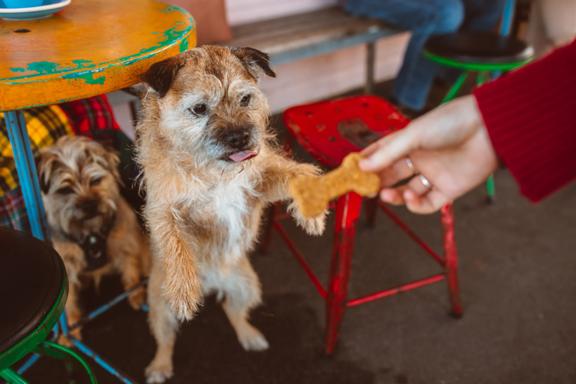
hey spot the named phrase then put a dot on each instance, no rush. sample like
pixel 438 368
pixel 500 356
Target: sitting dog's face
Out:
pixel 209 106
pixel 79 184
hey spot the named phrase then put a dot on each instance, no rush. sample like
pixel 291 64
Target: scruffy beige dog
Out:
pixel 209 170
pixel 92 227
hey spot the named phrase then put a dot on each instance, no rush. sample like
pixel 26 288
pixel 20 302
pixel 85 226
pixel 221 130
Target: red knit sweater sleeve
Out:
pixel 530 115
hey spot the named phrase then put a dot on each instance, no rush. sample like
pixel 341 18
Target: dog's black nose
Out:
pixel 88 206
pixel 238 138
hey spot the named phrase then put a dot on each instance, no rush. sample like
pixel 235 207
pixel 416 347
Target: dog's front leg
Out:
pixel 279 172
pixel 181 286
pixel 73 257
pixel 163 325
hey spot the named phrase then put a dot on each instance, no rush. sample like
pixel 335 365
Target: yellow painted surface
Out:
pixel 89 48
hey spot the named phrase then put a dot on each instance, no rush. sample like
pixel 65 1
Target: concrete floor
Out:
pixel 518 278
pixel 518 268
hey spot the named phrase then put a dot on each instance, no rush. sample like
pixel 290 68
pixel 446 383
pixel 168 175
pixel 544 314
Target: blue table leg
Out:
pixel 507 17
pixel 28 179
pixel 27 174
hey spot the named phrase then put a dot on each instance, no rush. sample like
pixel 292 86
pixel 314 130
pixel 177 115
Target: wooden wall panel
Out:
pixel 246 11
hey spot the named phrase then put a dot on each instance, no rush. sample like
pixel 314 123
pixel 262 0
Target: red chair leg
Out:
pixel 347 212
pixel 451 259
pixel 370 209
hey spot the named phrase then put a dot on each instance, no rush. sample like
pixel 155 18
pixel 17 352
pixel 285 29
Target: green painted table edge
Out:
pixel 82 69
pixel 87 72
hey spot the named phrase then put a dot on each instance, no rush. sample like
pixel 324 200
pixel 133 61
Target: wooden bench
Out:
pixel 290 38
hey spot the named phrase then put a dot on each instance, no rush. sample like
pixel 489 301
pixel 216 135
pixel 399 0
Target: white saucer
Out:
pixel 32 13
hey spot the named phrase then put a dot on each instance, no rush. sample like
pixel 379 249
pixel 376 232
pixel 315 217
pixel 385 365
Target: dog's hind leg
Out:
pixel 72 255
pixel 242 291
pixel 164 326
pixel 131 276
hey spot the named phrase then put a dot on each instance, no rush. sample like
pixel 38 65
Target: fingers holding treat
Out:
pixel 400 170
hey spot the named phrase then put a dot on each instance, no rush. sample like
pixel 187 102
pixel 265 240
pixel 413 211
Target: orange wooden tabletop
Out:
pixel 89 48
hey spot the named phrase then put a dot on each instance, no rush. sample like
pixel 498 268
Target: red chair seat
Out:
pixel 321 127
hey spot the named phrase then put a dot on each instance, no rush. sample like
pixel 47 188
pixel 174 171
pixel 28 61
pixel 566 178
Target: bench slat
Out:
pixel 298 36
pixel 276 43
pixel 328 46
pixel 289 22
pixel 309 34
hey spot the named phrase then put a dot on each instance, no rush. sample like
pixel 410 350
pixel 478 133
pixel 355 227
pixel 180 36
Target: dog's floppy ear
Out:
pixel 105 156
pixel 254 60
pixel 161 75
pixel 46 162
pixel 113 161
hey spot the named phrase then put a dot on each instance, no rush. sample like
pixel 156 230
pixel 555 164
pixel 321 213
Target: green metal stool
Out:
pixel 477 53
pixel 33 290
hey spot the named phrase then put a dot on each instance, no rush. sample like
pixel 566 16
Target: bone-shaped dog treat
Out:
pixel 313 193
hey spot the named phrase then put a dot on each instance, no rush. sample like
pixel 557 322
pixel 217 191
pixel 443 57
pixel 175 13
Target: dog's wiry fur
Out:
pixel 79 182
pixel 203 210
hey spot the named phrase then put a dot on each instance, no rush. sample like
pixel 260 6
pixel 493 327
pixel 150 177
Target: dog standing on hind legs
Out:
pixel 209 169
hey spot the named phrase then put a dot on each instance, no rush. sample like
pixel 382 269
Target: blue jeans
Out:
pixel 425 18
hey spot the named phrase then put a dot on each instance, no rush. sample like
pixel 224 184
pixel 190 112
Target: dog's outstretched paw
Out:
pixel 137 298
pixel 252 339
pixel 158 372
pixel 315 226
pixel 65 340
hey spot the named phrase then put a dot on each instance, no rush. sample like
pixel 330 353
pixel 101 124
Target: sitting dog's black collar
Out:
pixel 94 245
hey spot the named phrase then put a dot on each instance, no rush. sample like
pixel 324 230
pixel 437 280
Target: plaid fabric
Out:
pixel 93 118
pixel 90 117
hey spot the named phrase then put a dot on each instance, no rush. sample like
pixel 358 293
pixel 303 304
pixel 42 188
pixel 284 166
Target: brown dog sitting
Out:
pixel 91 226
pixel 209 170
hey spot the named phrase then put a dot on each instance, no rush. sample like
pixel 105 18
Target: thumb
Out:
pixel 388 150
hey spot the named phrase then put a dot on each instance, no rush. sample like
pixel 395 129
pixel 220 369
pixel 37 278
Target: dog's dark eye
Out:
pixel 65 191
pixel 245 100
pixel 95 181
pixel 199 109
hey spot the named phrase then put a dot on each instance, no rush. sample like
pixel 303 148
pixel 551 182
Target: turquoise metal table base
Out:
pixel 28 180
pixel 27 173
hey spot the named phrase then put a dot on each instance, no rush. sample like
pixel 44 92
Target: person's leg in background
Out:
pixel 482 15
pixel 479 15
pixel 552 24
pixel 423 18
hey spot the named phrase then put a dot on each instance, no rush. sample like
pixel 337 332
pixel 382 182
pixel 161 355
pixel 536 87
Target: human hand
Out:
pixel 448 148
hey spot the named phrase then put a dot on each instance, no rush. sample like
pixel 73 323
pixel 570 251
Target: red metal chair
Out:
pixel 329 130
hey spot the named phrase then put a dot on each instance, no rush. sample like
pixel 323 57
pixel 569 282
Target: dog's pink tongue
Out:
pixel 242 155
